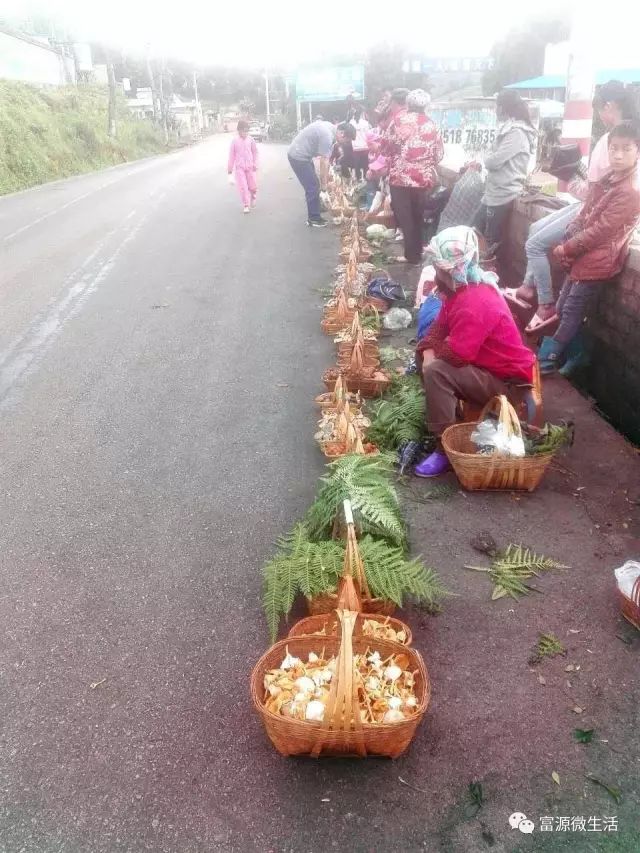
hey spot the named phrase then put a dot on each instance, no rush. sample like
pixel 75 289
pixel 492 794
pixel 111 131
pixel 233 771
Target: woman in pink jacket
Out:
pixel 243 165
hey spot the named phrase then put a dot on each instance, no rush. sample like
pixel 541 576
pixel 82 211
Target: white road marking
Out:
pixel 23 356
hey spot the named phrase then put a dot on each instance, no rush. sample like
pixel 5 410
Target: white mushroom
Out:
pixel 393 716
pixel 392 673
pixel 314 711
pixel 304 684
pixel 289 662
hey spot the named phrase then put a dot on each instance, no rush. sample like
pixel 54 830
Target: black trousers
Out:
pixel 492 222
pixel 408 205
pixel 360 164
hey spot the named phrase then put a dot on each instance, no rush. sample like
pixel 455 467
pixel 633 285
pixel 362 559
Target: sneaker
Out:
pixel 253 201
pixel 549 354
pixel 246 210
pixel 435 464
pixel 317 223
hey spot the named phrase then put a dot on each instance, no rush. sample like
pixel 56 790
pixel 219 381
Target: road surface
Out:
pixel 159 352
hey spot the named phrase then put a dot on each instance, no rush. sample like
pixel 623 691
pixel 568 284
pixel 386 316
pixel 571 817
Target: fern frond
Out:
pixel 310 568
pixel 365 481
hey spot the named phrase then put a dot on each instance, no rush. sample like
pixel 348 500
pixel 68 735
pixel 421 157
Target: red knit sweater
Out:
pixel 475 327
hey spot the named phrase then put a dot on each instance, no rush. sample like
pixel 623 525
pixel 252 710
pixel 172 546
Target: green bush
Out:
pixel 51 133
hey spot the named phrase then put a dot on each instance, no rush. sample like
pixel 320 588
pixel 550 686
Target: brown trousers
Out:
pixel 445 384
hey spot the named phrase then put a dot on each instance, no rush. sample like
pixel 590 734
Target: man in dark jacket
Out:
pixel 597 240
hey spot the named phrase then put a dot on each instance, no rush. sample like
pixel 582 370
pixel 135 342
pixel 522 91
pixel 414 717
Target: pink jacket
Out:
pixel 243 154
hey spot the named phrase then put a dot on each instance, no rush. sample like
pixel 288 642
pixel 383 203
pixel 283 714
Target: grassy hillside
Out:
pixel 50 133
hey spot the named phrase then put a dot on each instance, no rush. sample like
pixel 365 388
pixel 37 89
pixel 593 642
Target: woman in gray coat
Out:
pixel 507 165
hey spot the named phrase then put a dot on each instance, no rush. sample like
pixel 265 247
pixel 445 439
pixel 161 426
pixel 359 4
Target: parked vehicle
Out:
pixel 258 130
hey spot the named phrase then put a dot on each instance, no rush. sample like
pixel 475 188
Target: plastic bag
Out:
pixel 492 437
pixel 427 315
pixel 376 232
pixel 626 577
pixel 396 319
pixel 231 179
pixel 385 288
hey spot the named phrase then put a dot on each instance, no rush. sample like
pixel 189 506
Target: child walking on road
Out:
pixel 243 165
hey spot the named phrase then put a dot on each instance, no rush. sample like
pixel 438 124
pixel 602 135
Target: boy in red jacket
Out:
pixel 597 241
pixel 473 351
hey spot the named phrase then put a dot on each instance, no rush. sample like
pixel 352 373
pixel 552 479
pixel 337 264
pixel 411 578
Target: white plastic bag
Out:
pixel 491 437
pixel 396 319
pixel 376 232
pixel 626 577
pixel 231 179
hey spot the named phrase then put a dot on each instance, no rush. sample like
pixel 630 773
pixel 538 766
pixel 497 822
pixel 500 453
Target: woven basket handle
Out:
pixel 338 390
pixel 356 364
pixel 507 415
pixel 353 564
pixel 342 712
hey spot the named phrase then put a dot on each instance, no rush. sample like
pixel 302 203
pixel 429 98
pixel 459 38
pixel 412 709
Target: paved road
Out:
pixel 149 459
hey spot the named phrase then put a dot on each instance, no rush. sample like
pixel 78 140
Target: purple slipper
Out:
pixel 434 465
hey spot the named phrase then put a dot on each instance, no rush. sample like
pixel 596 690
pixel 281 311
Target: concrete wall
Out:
pixel 22 60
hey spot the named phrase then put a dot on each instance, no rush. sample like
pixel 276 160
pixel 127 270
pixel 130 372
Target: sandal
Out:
pixel 511 295
pixel 537 324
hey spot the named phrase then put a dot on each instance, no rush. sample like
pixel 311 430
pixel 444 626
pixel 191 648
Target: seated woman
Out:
pixel 613 104
pixel 597 241
pixel 474 350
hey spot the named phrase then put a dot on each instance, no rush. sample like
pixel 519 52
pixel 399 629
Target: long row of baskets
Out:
pixel 345 682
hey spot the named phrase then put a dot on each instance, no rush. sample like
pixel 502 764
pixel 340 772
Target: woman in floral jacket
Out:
pixel 414 148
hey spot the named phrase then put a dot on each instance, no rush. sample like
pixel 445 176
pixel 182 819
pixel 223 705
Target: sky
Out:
pixel 255 33
pixel 282 33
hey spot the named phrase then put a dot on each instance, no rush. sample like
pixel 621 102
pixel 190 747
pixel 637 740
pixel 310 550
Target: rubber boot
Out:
pixel 549 355
pixel 576 355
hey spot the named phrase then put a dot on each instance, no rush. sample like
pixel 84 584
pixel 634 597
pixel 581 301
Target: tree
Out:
pixel 520 55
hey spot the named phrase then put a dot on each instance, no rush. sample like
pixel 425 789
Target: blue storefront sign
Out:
pixel 335 83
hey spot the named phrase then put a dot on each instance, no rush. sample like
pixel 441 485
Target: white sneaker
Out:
pixel 253 201
pixel 247 210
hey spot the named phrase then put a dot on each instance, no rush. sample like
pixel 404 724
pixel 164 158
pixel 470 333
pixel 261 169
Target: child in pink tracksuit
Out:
pixel 243 165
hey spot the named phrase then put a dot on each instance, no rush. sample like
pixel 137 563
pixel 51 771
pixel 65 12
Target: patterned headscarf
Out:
pixel 418 100
pixel 455 250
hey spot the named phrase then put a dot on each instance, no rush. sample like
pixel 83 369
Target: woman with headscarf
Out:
pixel 473 351
pixel 414 148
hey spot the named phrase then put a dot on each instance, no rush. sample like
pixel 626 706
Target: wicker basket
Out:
pixel 327 401
pixel 366 386
pixel 478 472
pixel 327 602
pixel 341 733
pixel 331 324
pixel 631 606
pixel 328 625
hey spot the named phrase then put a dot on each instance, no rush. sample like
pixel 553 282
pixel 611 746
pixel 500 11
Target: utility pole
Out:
pixel 197 100
pixel 578 110
pixel 266 92
pixel 154 99
pixel 111 77
pixel 163 105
